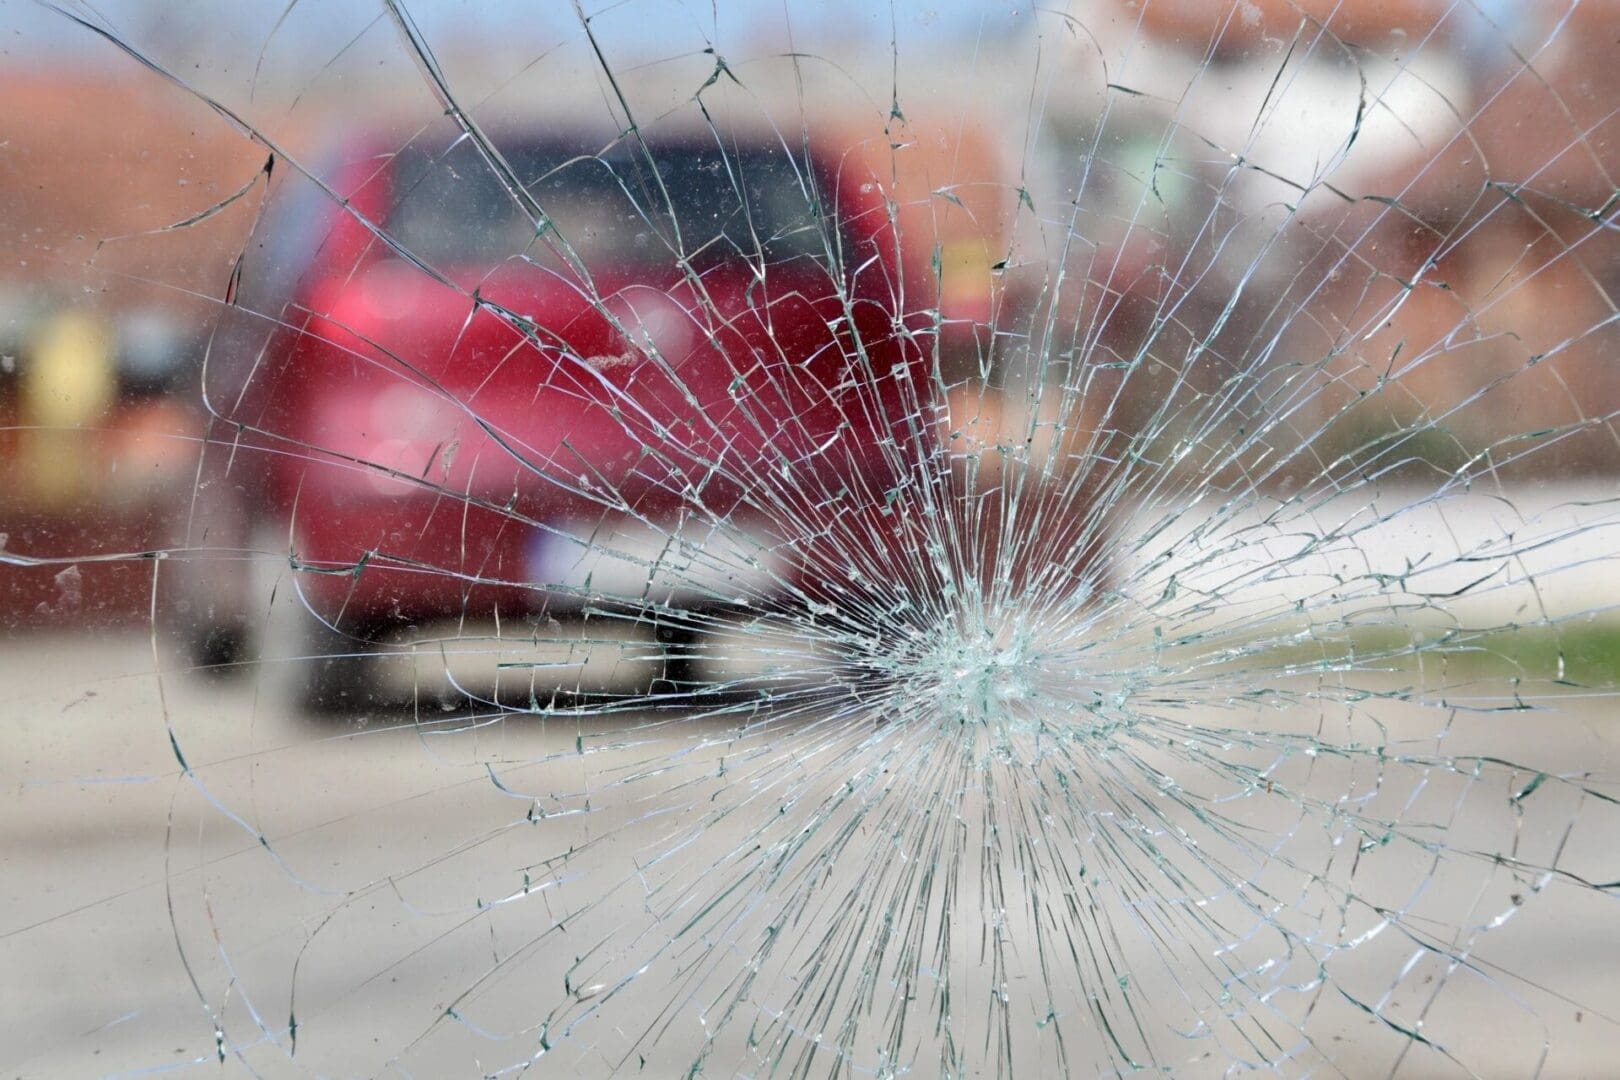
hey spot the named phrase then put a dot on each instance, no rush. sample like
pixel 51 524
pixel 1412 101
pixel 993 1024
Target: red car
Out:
pixel 657 378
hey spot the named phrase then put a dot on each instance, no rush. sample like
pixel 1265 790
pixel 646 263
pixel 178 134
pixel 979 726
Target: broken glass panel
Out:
pixel 673 540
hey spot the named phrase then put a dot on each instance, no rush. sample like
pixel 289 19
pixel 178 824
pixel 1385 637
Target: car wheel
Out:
pixel 336 676
pixel 221 648
pixel 680 644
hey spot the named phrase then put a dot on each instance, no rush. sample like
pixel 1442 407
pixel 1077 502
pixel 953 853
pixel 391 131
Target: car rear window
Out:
pixel 690 199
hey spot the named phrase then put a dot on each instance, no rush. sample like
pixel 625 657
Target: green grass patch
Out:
pixel 1576 654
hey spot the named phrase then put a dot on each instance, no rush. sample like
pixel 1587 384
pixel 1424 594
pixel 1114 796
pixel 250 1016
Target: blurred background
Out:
pixel 1476 184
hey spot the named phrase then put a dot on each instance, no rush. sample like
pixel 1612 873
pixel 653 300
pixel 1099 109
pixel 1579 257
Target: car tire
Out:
pixel 221 649
pixel 336 676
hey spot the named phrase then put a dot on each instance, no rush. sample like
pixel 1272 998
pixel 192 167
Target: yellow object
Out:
pixel 67 382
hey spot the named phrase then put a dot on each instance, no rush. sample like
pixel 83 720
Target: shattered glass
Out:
pixel 815 539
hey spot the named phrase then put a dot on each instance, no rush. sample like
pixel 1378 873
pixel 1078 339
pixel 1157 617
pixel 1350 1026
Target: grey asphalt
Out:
pixel 107 849
pixel 122 879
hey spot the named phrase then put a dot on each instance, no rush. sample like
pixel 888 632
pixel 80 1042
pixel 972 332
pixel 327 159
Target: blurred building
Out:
pixel 124 233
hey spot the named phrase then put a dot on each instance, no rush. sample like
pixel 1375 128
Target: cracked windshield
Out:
pixel 697 538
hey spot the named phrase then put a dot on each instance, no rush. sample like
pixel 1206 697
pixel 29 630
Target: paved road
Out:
pixel 122 881
pixel 107 849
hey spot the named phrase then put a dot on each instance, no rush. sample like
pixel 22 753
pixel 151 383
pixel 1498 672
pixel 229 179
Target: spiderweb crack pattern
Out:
pixel 1062 543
